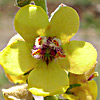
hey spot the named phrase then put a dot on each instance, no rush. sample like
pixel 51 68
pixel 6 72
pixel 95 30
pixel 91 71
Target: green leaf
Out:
pixel 55 97
pixel 73 86
pixel 41 3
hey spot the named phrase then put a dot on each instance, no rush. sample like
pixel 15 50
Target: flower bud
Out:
pixel 18 92
pixel 22 3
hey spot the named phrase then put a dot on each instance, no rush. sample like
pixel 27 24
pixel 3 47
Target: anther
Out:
pixel 59 53
pixel 47 49
pixel 95 74
pixel 54 41
pixel 35 52
pixel 39 40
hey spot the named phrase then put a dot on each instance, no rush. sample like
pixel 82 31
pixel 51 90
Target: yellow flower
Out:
pixel 87 91
pixel 44 50
pixel 82 87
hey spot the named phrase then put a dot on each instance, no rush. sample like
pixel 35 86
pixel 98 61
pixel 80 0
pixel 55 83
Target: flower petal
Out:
pixel 81 78
pixel 48 80
pixel 16 58
pixel 16 37
pixel 64 24
pixel 87 91
pixel 80 57
pixel 17 79
pixel 29 20
pixel 93 88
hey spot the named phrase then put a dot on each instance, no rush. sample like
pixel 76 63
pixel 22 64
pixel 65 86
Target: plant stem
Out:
pixel 41 3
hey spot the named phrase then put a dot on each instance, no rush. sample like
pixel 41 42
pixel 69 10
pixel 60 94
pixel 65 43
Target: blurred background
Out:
pixel 89 12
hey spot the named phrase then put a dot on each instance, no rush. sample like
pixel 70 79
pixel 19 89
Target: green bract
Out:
pixel 46 78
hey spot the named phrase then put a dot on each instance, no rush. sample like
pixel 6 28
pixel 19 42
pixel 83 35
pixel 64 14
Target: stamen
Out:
pixel 95 74
pixel 35 52
pixel 39 40
pixel 59 53
pixel 57 44
pixel 47 49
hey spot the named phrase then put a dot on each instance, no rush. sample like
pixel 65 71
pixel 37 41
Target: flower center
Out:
pixel 47 48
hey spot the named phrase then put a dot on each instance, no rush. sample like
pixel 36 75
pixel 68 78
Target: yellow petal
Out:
pixel 80 57
pixel 16 58
pixel 87 91
pixel 17 79
pixel 29 20
pixel 82 78
pixel 64 24
pixel 48 80
pixel 15 38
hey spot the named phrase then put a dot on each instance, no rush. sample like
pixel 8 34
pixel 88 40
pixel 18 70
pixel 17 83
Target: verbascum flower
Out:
pixel 87 91
pixel 82 87
pixel 83 78
pixel 44 50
